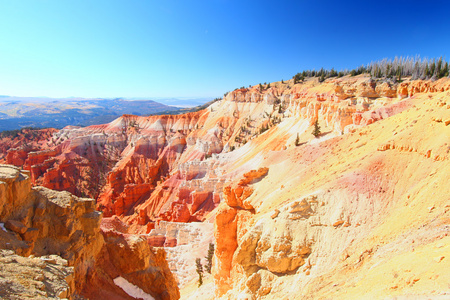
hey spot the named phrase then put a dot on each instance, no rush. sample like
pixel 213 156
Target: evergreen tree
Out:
pixel 333 73
pixel 388 68
pixel 379 74
pixel 199 271
pixel 297 140
pixel 416 71
pixel 399 74
pixel 209 258
pixel 444 71
pixel 316 132
pixel 437 72
pixel 432 68
pixel 322 78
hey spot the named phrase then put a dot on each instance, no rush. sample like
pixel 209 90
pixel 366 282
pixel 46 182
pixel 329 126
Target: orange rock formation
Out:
pixel 293 214
pixel 43 222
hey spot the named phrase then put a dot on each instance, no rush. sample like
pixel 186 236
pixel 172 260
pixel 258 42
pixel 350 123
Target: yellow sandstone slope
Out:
pixel 364 215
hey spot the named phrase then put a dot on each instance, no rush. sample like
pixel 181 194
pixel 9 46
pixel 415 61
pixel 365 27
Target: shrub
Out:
pixel 316 131
pixel 199 271
pixel 209 258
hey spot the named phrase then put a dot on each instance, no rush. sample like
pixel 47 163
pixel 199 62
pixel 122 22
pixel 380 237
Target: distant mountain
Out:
pixel 19 112
pixel 183 102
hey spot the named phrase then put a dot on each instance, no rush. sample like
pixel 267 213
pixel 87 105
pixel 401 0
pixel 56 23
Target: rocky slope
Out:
pixel 146 168
pixel 363 215
pixel 23 141
pixel 286 207
pixel 71 254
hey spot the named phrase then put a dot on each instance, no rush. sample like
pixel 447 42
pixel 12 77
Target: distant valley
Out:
pixel 19 112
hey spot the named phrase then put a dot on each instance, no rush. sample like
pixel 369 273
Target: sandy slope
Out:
pixel 381 224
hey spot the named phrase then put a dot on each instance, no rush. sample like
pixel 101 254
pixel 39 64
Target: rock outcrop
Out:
pixel 359 215
pixel 183 242
pixel 63 229
pixel 46 277
pixel 287 207
pixel 16 144
pixel 140 168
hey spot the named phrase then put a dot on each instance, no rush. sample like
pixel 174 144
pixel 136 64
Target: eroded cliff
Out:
pixel 286 207
pixel 71 254
pixel 362 215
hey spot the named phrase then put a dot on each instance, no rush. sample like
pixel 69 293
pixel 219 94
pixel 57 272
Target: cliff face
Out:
pixel 158 168
pixel 64 231
pixel 285 206
pixel 360 215
pixel 24 141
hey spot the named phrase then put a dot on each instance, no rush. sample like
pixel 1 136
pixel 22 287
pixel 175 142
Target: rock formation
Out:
pixel 144 168
pixel 360 215
pixel 289 213
pixel 61 229
pixel 34 277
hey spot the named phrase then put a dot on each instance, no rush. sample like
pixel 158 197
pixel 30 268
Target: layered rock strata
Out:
pixel 363 215
pixel 62 229
pixel 184 169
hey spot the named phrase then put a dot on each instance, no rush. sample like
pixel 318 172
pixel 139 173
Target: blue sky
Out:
pixel 131 48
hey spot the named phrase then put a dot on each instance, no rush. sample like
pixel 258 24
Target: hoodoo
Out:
pixel 359 209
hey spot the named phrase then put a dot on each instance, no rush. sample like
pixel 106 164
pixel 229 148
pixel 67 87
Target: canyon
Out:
pixel 360 211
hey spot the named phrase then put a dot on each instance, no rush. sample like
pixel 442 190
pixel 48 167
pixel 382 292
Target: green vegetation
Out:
pixel 297 140
pixel 263 128
pixel 209 258
pixel 394 69
pixel 316 132
pixel 199 271
pixel 16 132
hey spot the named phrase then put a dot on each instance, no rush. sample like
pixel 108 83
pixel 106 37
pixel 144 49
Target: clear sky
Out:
pixel 190 48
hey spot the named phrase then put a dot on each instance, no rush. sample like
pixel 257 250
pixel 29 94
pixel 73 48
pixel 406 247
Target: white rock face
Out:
pixel 131 289
pixel 192 242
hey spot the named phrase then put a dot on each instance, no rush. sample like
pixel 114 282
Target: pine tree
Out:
pixel 427 71
pixel 316 131
pixel 297 140
pixel 416 71
pixel 444 71
pixel 399 74
pixel 199 271
pixel 322 78
pixel 432 68
pixel 209 258
pixel 437 72
pixel 379 74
